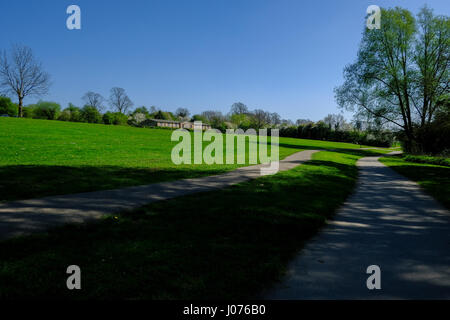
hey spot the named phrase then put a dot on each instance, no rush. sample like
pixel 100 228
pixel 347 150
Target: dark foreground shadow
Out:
pixel 229 243
pixel 27 182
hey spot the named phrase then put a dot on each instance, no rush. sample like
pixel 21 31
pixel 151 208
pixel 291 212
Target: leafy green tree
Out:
pixel 7 107
pixel 120 119
pixel 46 110
pixel 108 117
pixel 400 72
pixel 64 115
pixel 71 113
pixel 162 115
pixel 90 114
pixel 142 110
pixel 241 121
pixel 115 118
pixel 198 117
pixel 75 112
pixel 28 111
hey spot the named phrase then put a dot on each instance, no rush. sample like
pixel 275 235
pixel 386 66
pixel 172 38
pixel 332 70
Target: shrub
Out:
pixel 162 115
pixel 64 116
pixel 46 110
pixel 198 117
pixel 137 119
pixel 75 113
pixel 8 107
pixel 427 159
pixel 141 110
pixel 90 114
pixel 108 118
pixel 120 119
pixel 291 132
pixel 116 118
pixel 28 111
pixel 321 131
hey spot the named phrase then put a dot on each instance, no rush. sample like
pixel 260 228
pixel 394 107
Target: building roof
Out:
pixel 162 120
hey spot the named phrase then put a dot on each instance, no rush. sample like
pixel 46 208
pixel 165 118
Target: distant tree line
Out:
pixel 333 127
pixel 21 75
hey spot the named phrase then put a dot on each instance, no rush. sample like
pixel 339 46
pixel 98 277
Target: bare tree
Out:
pixel 302 121
pixel 275 119
pixel 260 118
pixel 287 123
pixel 239 108
pixel 334 121
pixel 119 100
pixel 212 115
pixel 94 99
pixel 182 113
pixel 22 75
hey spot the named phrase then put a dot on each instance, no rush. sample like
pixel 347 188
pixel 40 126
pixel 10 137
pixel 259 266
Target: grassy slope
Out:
pixel 226 244
pixel 40 158
pixel 433 178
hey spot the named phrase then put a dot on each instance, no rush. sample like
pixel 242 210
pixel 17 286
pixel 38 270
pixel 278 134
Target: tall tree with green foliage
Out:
pixel 401 71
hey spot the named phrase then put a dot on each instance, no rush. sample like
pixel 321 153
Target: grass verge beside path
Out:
pixel 435 179
pixel 230 243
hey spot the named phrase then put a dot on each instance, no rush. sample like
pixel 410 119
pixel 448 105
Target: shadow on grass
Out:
pixel 35 181
pixel 230 243
pixel 26 182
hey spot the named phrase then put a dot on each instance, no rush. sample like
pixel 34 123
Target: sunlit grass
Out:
pixel 40 158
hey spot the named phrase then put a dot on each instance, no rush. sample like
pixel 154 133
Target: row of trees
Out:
pixel 118 100
pixel 52 111
pixel 241 117
pixel 321 130
pixel 21 75
pixel 333 127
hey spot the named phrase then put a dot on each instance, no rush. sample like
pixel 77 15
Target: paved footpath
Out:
pixel 388 221
pixel 26 216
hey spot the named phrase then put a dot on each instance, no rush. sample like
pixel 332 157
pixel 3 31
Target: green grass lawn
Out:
pixel 435 179
pixel 40 158
pixel 231 243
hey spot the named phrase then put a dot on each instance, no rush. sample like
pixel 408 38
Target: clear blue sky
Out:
pixel 281 56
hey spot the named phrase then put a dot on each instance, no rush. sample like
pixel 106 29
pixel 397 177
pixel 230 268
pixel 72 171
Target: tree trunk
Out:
pixel 409 141
pixel 20 107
